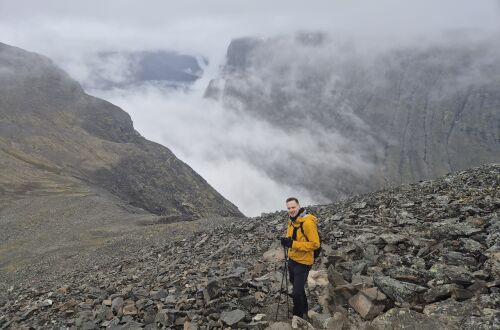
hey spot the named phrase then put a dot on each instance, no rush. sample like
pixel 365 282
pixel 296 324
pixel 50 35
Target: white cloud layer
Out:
pixel 214 142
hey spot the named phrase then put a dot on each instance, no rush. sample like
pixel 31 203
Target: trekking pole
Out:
pixel 284 278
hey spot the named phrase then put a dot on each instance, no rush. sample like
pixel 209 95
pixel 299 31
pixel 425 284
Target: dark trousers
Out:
pixel 298 277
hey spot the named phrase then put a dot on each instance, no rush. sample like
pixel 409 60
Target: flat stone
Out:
pixel 439 292
pixel 157 295
pixel 405 318
pixel 451 311
pixel 461 294
pixel 479 286
pixel 129 325
pixel 301 324
pixel 261 325
pixel 279 326
pixel 129 309
pixel 248 301
pixel 259 317
pixel 232 317
pixel 406 274
pixel 471 245
pixel 446 274
pixel 317 319
pixel 260 296
pixel 361 282
pixel 337 321
pixel 88 325
pixel 162 317
pixel 393 238
pixel 459 259
pixel 317 278
pixel 374 294
pixel 274 255
pixel 335 278
pixel 190 326
pixel 366 308
pixel 212 290
pixel 117 304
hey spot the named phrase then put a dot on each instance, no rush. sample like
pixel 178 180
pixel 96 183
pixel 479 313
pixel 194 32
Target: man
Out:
pixel 301 240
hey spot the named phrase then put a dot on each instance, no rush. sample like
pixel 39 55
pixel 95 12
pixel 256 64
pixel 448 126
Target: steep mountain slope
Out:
pixel 372 117
pixel 73 166
pixel 419 256
pixel 50 125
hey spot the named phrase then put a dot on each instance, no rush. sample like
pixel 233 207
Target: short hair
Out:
pixel 289 199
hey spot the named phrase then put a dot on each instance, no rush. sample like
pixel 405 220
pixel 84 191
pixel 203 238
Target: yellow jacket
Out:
pixel 302 250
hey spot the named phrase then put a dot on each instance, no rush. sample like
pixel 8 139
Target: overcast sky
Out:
pixel 67 31
pixel 56 27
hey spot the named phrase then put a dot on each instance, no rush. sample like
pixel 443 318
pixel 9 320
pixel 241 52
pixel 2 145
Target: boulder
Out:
pixel 397 290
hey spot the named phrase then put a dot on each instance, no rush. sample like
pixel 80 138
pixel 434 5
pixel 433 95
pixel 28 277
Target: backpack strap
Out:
pixel 302 230
pixel 294 233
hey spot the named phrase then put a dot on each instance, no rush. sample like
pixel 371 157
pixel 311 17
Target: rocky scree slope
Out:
pixel 419 256
pixel 399 114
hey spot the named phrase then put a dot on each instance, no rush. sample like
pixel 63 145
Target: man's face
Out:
pixel 293 208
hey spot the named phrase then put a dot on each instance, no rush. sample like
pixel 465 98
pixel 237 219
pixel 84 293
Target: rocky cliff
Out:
pixel 419 256
pixel 367 117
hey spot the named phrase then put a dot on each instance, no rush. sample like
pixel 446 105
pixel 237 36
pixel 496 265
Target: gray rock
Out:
pixel 453 312
pixel 446 274
pixel 233 317
pixel 117 304
pixel 405 318
pixel 279 326
pixel 212 290
pixel 397 290
pixel 365 307
pixel 393 238
pixel 418 276
pixel 471 245
pixel 301 324
pixel 459 259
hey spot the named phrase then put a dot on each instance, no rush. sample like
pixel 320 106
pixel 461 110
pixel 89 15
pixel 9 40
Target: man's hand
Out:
pixel 287 242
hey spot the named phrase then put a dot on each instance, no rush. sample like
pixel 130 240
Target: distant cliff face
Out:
pixel 375 118
pixel 124 69
pixel 56 140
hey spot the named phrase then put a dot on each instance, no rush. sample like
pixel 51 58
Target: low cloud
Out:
pixel 215 142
